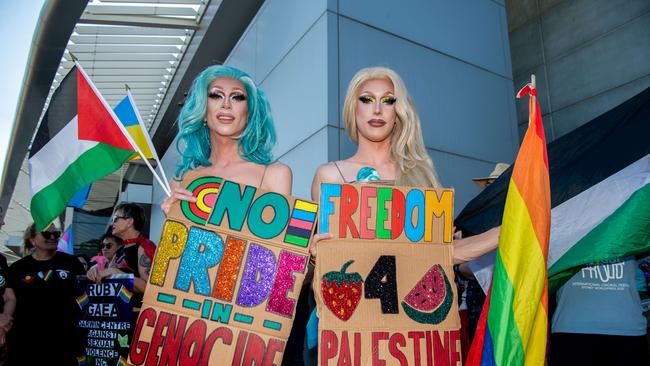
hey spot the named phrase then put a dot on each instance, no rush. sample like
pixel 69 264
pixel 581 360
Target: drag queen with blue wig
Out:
pixel 226 130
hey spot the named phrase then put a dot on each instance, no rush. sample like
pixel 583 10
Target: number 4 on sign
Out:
pixel 381 283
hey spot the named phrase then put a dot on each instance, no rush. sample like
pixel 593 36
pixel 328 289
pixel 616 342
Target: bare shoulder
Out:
pixel 278 178
pixel 328 173
pixel 278 169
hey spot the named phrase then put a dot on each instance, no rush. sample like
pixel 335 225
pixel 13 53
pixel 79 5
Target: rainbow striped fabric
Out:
pixel 512 329
pixel 81 360
pixel 125 294
pixel 83 300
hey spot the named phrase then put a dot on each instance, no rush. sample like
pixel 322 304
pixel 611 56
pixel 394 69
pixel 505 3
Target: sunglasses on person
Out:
pixel 116 217
pixel 51 234
pixel 105 245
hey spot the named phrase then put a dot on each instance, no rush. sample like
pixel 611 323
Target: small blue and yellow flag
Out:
pixel 125 111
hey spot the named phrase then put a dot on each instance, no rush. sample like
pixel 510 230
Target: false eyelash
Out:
pixel 388 100
pixel 366 99
pixel 239 97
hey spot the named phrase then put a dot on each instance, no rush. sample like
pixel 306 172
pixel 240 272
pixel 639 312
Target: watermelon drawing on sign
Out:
pixel 431 298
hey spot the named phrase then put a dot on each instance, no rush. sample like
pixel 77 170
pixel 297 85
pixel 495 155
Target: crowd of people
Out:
pixel 39 291
pixel 226 129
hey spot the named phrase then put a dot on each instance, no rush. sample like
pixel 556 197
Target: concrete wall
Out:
pixel 588 55
pixel 285 49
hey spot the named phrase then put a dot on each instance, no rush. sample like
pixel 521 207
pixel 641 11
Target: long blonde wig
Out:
pixel 407 145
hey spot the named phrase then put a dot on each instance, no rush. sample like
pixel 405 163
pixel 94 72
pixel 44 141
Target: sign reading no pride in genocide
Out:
pixel 226 277
pixel 384 285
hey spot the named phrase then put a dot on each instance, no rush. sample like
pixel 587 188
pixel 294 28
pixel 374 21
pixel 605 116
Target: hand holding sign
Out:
pixel 385 293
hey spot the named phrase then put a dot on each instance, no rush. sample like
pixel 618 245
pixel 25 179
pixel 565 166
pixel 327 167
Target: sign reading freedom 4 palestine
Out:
pixel 385 285
pixel 226 277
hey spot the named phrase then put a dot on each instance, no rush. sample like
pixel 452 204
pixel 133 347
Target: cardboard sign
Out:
pixel 384 285
pixel 226 277
pixel 106 319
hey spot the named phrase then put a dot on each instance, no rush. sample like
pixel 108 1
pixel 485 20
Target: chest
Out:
pixel 44 279
pixel 247 173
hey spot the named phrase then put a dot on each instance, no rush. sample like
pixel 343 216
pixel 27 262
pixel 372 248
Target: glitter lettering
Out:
pixel 203 250
pixel 259 273
pixel 284 281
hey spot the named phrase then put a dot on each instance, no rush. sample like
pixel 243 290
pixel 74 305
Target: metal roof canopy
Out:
pixel 155 46
pixel 136 35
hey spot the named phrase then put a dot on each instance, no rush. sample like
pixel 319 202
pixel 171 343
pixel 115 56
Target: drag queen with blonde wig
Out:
pixel 226 130
pixel 380 118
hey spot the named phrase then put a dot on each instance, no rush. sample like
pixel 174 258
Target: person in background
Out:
pixel 484 182
pixel 26 249
pixel 599 319
pixel 471 295
pixel 45 321
pixel 109 245
pixel 7 301
pixel 84 260
pixel 135 256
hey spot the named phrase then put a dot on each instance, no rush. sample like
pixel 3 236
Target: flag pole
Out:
pixel 121 126
pixel 147 137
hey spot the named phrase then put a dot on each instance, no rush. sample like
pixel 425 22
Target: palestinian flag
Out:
pixel 79 141
pixel 610 220
pixel 599 193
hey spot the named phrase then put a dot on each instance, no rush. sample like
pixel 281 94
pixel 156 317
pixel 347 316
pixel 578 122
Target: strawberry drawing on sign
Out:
pixel 342 291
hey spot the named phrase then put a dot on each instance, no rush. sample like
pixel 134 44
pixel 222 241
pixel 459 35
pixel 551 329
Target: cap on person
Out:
pixel 486 181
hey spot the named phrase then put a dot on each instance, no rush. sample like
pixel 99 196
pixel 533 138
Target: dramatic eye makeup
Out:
pixel 238 96
pixel 215 94
pixel 366 99
pixel 388 100
pixel 235 96
pixel 385 100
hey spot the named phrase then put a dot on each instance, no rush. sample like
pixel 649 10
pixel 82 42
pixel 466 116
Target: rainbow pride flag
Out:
pixel 512 328
pixel 83 300
pixel 125 294
pixel 122 362
pixel 81 360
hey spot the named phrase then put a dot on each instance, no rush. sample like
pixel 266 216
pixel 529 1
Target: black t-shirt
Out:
pixel 126 260
pixel 45 322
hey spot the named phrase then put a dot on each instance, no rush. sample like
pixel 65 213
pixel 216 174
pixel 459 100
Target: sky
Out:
pixel 17 23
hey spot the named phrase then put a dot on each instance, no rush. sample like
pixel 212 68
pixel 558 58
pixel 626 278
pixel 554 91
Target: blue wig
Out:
pixel 255 142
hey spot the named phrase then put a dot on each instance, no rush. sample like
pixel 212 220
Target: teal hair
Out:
pixel 257 139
